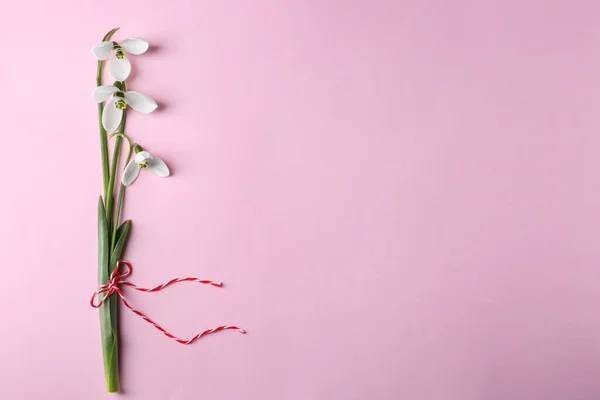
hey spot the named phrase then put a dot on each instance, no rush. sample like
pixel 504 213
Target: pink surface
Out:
pixel 402 197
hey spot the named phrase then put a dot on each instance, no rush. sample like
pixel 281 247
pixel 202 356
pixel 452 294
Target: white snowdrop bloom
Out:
pixel 143 160
pixel 113 110
pixel 118 65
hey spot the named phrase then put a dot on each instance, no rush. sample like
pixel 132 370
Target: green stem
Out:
pixel 119 202
pixel 108 326
pixel 121 188
pixel 103 140
pixel 113 170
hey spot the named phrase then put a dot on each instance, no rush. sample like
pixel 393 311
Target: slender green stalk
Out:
pixel 106 252
pixel 117 216
pixel 103 141
pixel 119 202
pixel 113 171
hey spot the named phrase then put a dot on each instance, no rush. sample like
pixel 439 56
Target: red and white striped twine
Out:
pixel 116 279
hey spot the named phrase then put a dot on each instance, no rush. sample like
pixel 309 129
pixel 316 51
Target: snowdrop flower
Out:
pixel 113 110
pixel 143 160
pixel 118 65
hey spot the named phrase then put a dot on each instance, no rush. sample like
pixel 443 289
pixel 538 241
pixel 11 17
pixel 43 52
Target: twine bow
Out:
pixel 103 292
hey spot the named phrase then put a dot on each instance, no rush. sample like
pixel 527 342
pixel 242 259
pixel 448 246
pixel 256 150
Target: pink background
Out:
pixel 402 197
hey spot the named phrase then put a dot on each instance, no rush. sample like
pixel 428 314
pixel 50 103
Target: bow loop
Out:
pixel 112 285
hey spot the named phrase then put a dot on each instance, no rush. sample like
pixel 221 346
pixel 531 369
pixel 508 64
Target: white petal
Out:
pixel 158 167
pixel 142 156
pixel 134 45
pixel 119 69
pixel 130 173
pixel 111 117
pixel 102 50
pixel 102 93
pixel 140 102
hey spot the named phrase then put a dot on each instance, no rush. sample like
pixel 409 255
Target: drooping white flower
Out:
pixel 113 110
pixel 143 160
pixel 118 65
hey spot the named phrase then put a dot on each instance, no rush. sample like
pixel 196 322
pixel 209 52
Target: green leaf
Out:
pixel 122 233
pixel 107 333
pixel 103 244
pixel 123 229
